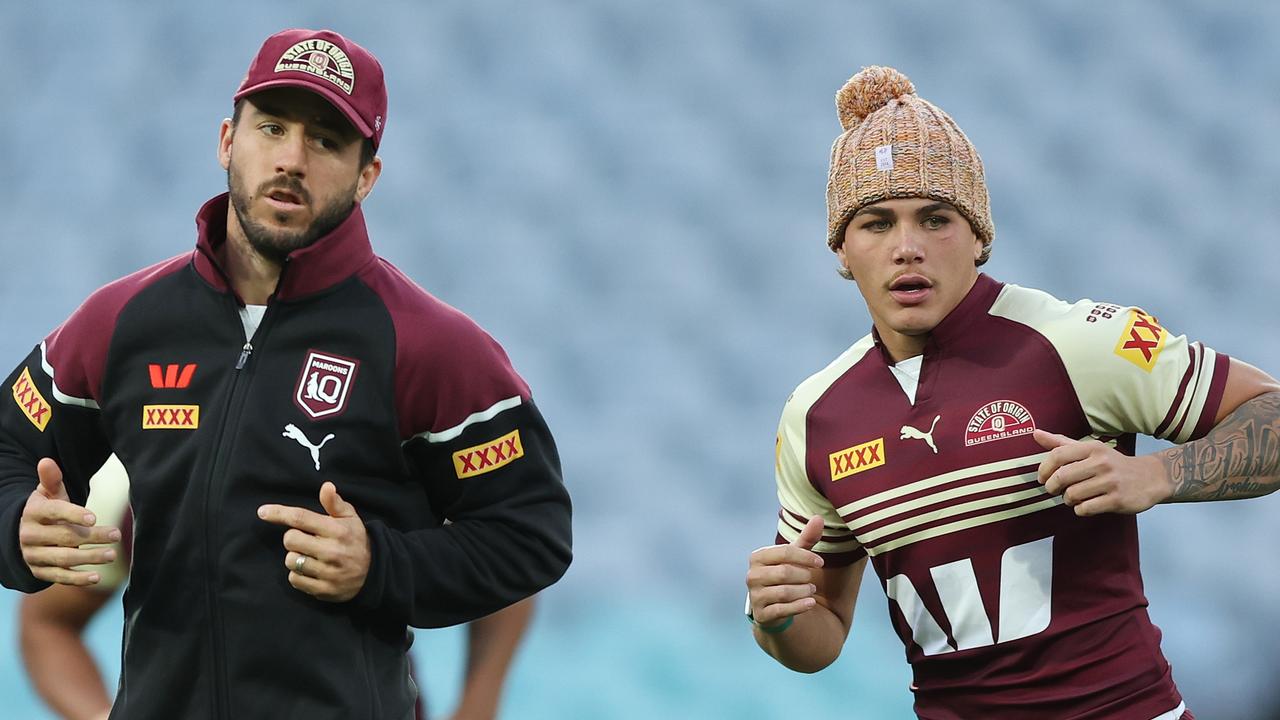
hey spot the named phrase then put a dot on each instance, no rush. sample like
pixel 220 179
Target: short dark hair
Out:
pixel 366 148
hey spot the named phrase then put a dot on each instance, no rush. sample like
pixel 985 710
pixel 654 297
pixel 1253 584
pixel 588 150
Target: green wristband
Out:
pixel 775 629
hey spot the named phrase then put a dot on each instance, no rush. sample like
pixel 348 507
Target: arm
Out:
pixel 44 434
pixel 60 666
pixel 790 581
pixel 1238 458
pixel 508 536
pixel 492 642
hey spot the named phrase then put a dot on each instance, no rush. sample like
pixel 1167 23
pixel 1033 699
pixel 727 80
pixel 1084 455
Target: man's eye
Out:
pixel 876 225
pixel 934 222
pixel 272 129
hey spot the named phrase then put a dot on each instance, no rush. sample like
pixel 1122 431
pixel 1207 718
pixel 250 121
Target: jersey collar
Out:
pixel 956 324
pixel 315 268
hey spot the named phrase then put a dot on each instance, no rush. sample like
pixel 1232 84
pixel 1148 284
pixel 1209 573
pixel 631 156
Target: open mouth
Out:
pixel 285 198
pixel 910 289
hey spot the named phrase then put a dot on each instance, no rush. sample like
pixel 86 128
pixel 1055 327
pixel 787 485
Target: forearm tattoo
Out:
pixel 1239 458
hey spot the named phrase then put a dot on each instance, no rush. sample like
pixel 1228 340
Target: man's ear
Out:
pixel 368 178
pixel 225 133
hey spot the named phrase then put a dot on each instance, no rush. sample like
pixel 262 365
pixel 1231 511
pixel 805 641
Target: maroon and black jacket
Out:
pixel 410 408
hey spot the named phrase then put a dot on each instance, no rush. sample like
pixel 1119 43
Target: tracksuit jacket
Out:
pixel 355 375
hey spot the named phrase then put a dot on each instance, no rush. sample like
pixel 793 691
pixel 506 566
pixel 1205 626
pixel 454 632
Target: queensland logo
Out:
pixel 322 59
pixel 856 459
pixel 324 384
pixel 997 421
pixel 1142 340
pixel 31 402
pixel 480 459
pixel 170 417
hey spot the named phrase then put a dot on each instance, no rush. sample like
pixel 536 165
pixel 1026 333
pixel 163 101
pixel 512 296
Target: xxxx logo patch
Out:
pixel 856 459
pixel 490 456
pixel 32 403
pixel 1142 340
pixel 170 417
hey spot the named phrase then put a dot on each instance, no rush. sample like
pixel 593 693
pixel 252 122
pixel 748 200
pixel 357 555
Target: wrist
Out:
pixel 1157 468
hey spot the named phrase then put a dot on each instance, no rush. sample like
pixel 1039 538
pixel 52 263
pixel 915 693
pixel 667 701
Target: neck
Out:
pixel 902 347
pixel 253 276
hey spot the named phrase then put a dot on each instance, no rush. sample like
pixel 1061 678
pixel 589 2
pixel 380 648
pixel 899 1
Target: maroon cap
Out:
pixel 323 62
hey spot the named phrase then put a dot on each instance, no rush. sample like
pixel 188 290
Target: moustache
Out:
pixel 287 184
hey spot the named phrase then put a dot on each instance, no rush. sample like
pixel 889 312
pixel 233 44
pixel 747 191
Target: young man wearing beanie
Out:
pixel 320 452
pixel 977 447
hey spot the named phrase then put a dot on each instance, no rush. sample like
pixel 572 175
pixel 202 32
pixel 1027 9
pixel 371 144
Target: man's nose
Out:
pixel 291 155
pixel 908 246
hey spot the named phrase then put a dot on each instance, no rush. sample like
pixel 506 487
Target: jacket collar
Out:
pixel 956 324
pixel 309 270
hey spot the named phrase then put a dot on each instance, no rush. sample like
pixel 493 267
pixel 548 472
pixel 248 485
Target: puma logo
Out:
pixel 910 433
pixel 292 431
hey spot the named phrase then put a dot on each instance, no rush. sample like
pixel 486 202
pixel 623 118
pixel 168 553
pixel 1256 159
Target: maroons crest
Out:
pixel 324 384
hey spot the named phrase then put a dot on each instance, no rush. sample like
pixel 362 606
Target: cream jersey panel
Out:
pixel 1129 373
pixel 799 500
pixel 109 502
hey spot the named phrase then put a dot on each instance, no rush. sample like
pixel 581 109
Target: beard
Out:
pixel 276 243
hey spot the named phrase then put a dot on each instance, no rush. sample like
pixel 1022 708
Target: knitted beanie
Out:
pixel 898 145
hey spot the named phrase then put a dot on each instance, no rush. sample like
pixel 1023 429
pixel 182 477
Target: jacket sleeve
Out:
pixel 506 533
pixel 472 436
pixel 39 420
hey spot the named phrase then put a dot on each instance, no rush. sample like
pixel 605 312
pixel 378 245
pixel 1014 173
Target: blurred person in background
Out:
pixel 52 624
pixel 977 448
pixel 320 453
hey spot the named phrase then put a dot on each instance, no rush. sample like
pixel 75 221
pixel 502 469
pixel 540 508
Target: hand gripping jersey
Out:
pixel 1009 605
pixel 354 375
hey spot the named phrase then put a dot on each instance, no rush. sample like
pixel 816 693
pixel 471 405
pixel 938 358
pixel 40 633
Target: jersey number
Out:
pixel 1026 573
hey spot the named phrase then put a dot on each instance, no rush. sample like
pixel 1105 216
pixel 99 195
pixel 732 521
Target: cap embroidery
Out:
pixel 322 59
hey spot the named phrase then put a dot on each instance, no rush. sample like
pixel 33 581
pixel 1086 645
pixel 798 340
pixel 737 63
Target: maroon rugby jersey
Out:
pixel 1009 605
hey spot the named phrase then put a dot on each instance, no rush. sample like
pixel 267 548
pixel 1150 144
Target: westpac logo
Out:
pixel 480 459
pixel 856 459
pixel 170 417
pixel 172 376
pixel 1142 340
pixel 30 401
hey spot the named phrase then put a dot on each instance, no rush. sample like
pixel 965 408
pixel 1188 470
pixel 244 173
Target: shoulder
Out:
pixel 445 362
pixel 420 318
pixel 1081 328
pixel 78 348
pixel 809 392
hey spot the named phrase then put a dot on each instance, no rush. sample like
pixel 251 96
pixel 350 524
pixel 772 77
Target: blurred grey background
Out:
pixel 630 197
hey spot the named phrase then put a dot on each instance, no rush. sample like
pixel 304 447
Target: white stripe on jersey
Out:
pixel 1202 359
pixel 943 479
pixel 788 533
pixel 1173 714
pixel 964 525
pixel 477 417
pixel 1022 486
pixel 58 395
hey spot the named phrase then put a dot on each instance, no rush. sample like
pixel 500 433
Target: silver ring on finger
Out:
pixel 297 564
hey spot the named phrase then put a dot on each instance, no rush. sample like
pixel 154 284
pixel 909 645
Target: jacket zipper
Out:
pixel 222 701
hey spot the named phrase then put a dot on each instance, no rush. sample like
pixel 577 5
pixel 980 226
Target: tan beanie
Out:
pixel 897 145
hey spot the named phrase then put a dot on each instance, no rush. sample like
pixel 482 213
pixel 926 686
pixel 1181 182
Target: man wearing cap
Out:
pixel 320 452
pixel 977 448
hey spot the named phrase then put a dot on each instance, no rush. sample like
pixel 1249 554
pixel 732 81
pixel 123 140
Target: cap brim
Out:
pixel 335 98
